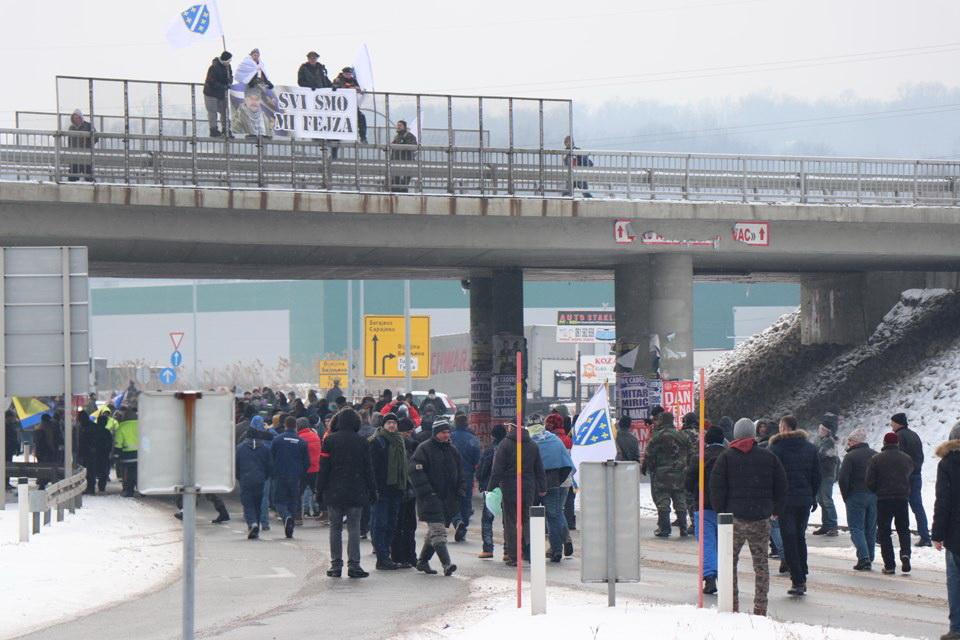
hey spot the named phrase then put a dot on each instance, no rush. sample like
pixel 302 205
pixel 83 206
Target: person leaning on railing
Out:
pixel 404 137
pixel 82 139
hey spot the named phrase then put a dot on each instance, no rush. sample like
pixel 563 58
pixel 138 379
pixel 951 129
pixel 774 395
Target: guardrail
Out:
pixel 266 163
pixel 62 494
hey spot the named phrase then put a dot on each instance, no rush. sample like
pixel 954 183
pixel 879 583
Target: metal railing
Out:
pixel 265 163
pixel 60 495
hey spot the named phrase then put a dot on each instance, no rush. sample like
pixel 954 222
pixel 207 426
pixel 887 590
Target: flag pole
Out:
pixel 519 549
pixel 701 463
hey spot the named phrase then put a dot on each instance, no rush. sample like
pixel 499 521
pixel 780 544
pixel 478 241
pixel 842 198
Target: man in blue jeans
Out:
pixel 946 523
pixel 290 461
pixel 861 502
pixel 498 432
pixel 713 447
pixel 558 467
pixel 468 447
pixel 829 464
pixel 389 458
pixel 911 445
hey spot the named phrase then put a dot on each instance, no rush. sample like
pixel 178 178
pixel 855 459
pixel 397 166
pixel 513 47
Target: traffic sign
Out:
pixel 176 337
pixel 383 346
pixel 330 371
pixel 167 375
pixel 176 359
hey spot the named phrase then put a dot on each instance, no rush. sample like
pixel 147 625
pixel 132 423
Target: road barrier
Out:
pixel 62 494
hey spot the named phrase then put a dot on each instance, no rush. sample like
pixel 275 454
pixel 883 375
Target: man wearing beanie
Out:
pixel 484 469
pixel 829 464
pixel 713 447
pixel 946 523
pixel 403 547
pixel 628 447
pixel 749 482
pixel 533 483
pixel 802 466
pixel 437 478
pixel 911 445
pixel 215 87
pixel 389 457
pixel 666 460
pixel 468 446
pixel 861 502
pixel 888 476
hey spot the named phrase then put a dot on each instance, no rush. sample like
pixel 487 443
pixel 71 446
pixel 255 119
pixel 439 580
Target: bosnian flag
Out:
pixel 195 23
pixel 593 439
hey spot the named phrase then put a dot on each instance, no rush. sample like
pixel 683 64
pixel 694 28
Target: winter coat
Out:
pixel 504 473
pixel 379 457
pixel 291 458
pixel 218 81
pixel 438 407
pixel 346 472
pixel 748 481
pixel 827 455
pixel 406 138
pixel 314 446
pixel 556 460
pixel 800 461
pixel 888 474
pixel 666 453
pixel 469 449
pixel 710 455
pixel 412 412
pixel 628 447
pixel 313 76
pixel 436 474
pixel 254 464
pixel 693 437
pixel 81 142
pixel 853 470
pixel 485 468
pixel 946 509
pixel 911 445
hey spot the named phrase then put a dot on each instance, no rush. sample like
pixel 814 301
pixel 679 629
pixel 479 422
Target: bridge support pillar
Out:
pixel 481 355
pixel 508 337
pixel 654 314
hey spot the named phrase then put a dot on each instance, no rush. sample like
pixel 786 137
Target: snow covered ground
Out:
pixel 110 550
pixel 491 613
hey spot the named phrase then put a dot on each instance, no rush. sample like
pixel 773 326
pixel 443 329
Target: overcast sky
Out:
pixel 673 50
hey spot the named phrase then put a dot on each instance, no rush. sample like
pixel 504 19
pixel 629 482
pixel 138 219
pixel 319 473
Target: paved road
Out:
pixel 276 588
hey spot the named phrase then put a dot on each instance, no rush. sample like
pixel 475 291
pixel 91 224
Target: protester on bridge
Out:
pixel 312 74
pixel 308 488
pixel 437 476
pixel 127 441
pixel 403 547
pixel 911 445
pixel 889 476
pixel 533 485
pixel 749 482
pixel 468 446
pixel 291 459
pixel 215 87
pixel 252 73
pixel 346 79
pixel 484 470
pixel 861 502
pixel 83 138
pixel 576 160
pixel 713 447
pixel 400 180
pixel 254 466
pixel 347 483
pixel 829 464
pixel 666 459
pixel 390 468
pixel 558 471
pixel 799 459
pixel 946 523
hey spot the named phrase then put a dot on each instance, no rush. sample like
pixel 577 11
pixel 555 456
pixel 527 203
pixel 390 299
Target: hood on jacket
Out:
pixel 948 447
pixel 513 436
pixel 789 435
pixel 743 444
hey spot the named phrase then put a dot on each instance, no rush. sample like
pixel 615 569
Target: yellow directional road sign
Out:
pixel 383 347
pixel 331 371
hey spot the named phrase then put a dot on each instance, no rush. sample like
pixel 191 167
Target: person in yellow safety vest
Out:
pixel 126 441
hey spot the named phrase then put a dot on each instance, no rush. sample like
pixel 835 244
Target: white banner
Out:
pixel 316 113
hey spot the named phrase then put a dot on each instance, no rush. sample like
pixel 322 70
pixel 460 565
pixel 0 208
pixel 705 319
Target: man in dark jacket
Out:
pixel 95 445
pixel 403 548
pixel 750 483
pixel 437 475
pixel 82 139
pixel 533 484
pixel 484 470
pixel 628 447
pixel 390 468
pixel 347 483
pixel 713 447
pixel 404 136
pixel 861 502
pixel 666 459
pixel 215 87
pixel 800 461
pixel 11 429
pixel 312 74
pixel 888 476
pixel 946 523
pixel 829 464
pixel 911 445
pixel 468 446
pixel 291 459
pixel 254 468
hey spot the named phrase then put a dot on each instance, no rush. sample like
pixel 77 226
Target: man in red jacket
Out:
pixel 308 487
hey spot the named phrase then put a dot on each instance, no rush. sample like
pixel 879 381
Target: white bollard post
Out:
pixel 725 562
pixel 538 561
pixel 23 501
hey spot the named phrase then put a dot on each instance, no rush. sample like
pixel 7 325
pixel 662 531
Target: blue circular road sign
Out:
pixel 167 375
pixel 176 359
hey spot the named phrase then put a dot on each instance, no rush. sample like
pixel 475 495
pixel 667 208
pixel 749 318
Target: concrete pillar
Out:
pixel 507 298
pixel 481 355
pixel 654 312
pixel 508 338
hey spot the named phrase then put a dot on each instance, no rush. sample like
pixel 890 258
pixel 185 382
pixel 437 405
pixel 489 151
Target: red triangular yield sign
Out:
pixel 176 337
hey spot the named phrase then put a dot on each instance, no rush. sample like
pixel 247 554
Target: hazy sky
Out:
pixel 672 50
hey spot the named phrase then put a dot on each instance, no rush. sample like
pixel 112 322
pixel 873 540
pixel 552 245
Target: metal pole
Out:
pixel 576 382
pixel 519 549
pixel 349 391
pixel 189 513
pixel 363 371
pixel 610 498
pixel 725 562
pixel 3 380
pixel 126 132
pixel 67 369
pixel 23 502
pixel 540 153
pixel 196 339
pixel 406 334
pixel 509 146
pixel 480 144
pixel 538 561
pixel 700 472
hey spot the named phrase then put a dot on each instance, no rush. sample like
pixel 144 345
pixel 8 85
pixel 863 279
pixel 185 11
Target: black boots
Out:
pixel 710 585
pixel 222 516
pixel 423 562
pixel 663 525
pixel 253 532
pixel 682 525
pixel 444 555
